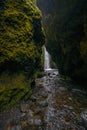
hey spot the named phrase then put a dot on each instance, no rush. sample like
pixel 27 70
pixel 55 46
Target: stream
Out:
pixel 56 104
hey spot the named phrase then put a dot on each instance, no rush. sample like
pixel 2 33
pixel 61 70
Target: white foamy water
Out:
pixel 46 60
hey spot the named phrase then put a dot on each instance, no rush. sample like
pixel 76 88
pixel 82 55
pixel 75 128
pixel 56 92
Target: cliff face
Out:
pixel 21 40
pixel 21 35
pixel 66 31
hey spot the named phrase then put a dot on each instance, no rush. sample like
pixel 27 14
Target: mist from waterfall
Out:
pixel 47 65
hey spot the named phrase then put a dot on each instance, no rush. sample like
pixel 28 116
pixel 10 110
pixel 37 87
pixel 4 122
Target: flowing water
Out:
pixel 52 105
pixel 46 60
pixel 60 113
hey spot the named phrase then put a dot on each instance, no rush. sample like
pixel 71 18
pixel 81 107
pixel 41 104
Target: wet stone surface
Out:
pixel 51 107
pixel 84 118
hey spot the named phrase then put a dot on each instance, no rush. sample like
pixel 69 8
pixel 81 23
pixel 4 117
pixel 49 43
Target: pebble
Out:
pixel 70 98
pixel 62 89
pixel 42 103
pixel 30 113
pixel 24 108
pixel 84 117
pixel 37 111
pixel 33 121
pixel 33 98
pixel 16 127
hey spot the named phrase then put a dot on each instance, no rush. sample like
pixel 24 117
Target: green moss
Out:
pixel 21 40
pixel 17 29
pixel 12 89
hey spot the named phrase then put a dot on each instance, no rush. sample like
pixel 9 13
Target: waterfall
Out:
pixel 46 60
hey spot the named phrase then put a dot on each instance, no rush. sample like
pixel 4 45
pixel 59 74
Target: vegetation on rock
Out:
pixel 21 39
pixel 66 30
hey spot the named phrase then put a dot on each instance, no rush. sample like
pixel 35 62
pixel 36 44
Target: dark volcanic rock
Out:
pixel 66 32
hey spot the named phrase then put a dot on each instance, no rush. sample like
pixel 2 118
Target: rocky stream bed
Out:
pixel 54 105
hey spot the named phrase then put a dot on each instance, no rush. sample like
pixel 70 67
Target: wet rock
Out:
pixel 56 73
pixel 62 89
pixel 84 118
pixel 37 111
pixel 17 127
pixel 48 74
pixel 44 94
pixel 70 98
pixel 51 77
pixel 34 98
pixel 24 108
pixel 37 122
pixel 68 107
pixel 39 82
pixel 78 92
pixel 60 113
pixel 23 115
pixel 42 103
pixel 30 113
pixel 26 115
pixel 43 112
pixel 34 121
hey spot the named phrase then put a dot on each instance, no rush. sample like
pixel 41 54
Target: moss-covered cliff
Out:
pixel 21 39
pixel 66 30
pixel 20 34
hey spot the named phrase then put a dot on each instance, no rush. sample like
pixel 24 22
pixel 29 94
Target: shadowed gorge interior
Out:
pixel 65 23
pixel 43 64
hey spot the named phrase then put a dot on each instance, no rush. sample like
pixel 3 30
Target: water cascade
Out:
pixel 46 60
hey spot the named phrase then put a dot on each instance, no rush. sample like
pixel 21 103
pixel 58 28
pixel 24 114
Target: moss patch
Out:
pixel 12 89
pixel 21 40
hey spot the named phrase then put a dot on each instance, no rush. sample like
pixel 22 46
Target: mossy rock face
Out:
pixel 66 31
pixel 13 88
pixel 21 40
pixel 21 34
